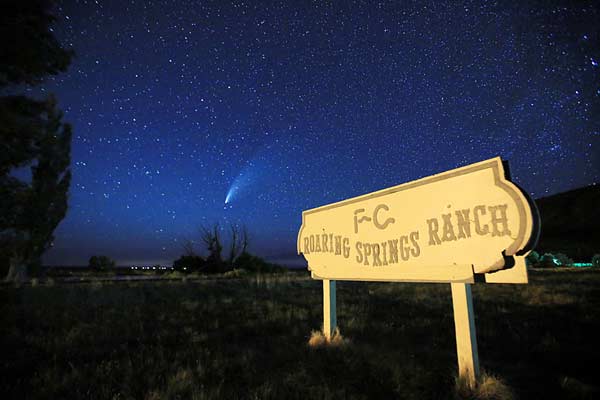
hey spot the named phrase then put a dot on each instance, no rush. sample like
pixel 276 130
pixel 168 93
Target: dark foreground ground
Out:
pixel 247 338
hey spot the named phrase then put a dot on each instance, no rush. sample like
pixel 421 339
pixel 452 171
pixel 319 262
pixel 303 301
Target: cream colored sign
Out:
pixel 446 227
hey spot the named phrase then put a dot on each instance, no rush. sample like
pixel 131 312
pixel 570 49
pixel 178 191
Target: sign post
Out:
pixel 467 224
pixel 329 308
pixel 466 338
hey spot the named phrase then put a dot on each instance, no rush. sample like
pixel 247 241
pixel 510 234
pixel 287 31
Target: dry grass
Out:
pixel 542 295
pixel 488 387
pixel 236 273
pixel 247 338
pixel 318 339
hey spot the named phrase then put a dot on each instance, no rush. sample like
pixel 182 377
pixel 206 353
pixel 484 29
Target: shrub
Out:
pixel 101 263
pixel 253 263
pixel 213 267
pixel 532 259
pixel 548 261
pixel 187 264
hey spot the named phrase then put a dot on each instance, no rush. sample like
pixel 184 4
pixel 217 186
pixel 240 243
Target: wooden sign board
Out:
pixel 461 226
pixel 448 227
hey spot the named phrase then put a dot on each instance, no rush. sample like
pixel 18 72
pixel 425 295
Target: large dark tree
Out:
pixel 32 136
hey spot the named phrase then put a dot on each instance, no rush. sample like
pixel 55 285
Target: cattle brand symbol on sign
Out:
pixel 461 226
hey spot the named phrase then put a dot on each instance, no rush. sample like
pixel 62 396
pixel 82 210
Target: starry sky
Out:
pixel 192 113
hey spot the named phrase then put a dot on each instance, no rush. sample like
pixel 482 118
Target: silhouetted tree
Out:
pixel 188 248
pixel 29 50
pixel 245 239
pixel 249 262
pixel 31 135
pixel 212 240
pixel 246 260
pixel 238 256
pixel 234 245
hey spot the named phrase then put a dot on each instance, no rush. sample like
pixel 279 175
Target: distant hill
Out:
pixel 571 223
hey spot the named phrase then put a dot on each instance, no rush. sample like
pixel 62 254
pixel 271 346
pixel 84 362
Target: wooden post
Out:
pixel 329 306
pixel 466 338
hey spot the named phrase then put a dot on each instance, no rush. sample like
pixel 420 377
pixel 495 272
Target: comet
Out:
pixel 244 179
pixel 264 168
pixel 232 190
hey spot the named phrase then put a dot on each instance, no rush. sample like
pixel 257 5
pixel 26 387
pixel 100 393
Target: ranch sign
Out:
pixel 466 225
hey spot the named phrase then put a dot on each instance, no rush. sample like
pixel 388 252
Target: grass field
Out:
pixel 247 338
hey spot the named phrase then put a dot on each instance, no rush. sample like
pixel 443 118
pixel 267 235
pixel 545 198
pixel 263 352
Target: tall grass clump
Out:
pixel 488 387
pixel 236 273
pixel 318 339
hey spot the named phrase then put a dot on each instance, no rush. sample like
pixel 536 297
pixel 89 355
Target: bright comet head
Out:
pixel 230 194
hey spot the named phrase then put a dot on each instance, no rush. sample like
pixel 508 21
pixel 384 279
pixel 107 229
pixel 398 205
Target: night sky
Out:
pixel 191 113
